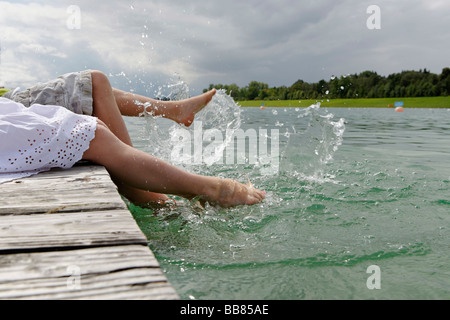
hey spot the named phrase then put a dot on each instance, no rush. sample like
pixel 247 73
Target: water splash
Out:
pixel 303 158
pixel 307 152
pixel 178 88
pixel 221 115
pixel 305 155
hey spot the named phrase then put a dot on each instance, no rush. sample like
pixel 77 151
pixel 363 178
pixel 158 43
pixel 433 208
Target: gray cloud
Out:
pixel 277 42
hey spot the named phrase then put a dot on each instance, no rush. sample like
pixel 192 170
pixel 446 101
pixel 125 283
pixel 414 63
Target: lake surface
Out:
pixel 356 190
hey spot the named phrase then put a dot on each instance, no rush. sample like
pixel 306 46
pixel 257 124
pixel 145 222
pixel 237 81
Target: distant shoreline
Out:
pixel 419 102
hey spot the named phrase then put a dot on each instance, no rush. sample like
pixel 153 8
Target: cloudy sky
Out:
pixel 144 44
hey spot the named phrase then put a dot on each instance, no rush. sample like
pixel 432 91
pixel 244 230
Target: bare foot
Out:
pixel 230 193
pixel 189 107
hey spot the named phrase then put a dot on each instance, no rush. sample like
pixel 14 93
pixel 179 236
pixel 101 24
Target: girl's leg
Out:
pixel 106 109
pixel 182 112
pixel 111 104
pixel 105 106
pixel 143 171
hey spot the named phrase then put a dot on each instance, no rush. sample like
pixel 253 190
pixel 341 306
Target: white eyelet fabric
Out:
pixel 39 138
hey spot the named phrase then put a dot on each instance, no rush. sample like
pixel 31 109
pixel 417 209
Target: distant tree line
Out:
pixel 367 84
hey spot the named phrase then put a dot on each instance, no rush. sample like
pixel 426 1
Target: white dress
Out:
pixel 39 138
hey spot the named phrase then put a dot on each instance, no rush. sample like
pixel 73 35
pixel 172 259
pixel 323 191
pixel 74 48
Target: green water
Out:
pixel 342 201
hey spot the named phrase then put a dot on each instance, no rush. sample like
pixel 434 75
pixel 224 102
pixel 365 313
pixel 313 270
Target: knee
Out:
pixel 99 78
pixel 101 126
pixel 101 145
pixel 102 131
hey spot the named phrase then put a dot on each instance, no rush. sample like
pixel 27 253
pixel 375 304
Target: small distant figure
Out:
pixel 399 106
pixel 262 106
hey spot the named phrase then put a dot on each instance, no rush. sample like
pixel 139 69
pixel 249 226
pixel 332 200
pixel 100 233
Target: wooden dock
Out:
pixel 67 234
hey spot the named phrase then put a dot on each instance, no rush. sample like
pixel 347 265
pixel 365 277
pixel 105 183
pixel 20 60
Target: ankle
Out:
pixel 211 188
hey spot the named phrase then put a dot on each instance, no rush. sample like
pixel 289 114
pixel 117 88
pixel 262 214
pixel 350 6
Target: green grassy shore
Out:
pixel 427 102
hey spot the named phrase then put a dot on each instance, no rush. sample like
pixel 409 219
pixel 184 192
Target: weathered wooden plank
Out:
pixel 121 272
pixel 65 230
pixel 131 291
pixel 82 188
pixel 102 252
